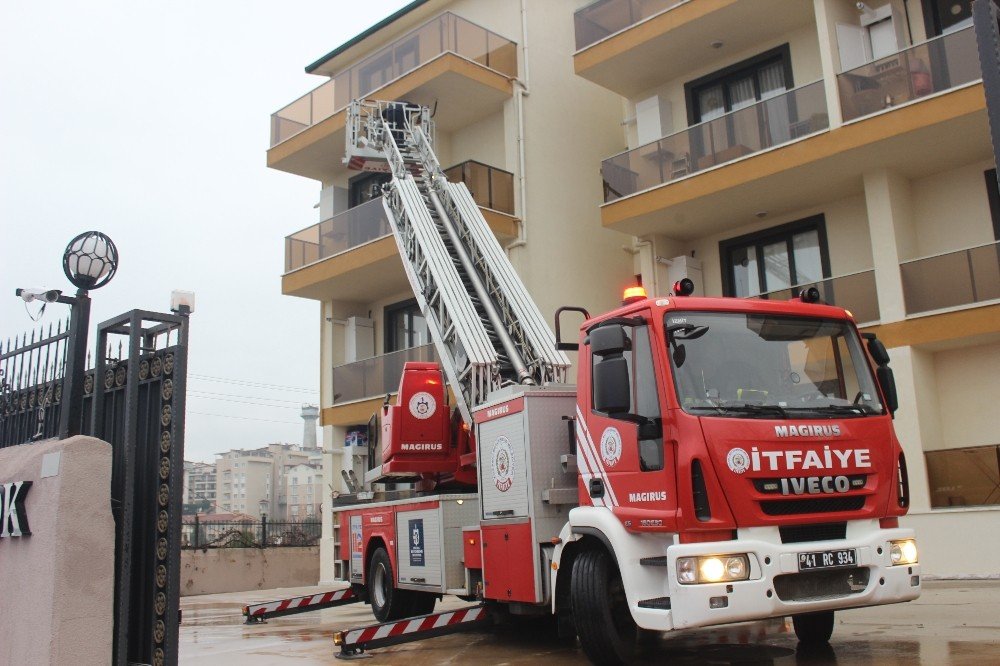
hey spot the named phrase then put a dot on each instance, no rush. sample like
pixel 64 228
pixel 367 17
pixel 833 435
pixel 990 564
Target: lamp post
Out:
pixel 89 262
pixel 263 504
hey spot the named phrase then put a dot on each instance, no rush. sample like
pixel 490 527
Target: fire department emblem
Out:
pixel 738 460
pixel 423 405
pixel 503 464
pixel 611 446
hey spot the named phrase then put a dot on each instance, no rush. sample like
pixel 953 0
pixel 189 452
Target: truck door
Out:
pixel 621 434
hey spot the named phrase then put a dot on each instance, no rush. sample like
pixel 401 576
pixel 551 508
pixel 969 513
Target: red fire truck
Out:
pixel 719 460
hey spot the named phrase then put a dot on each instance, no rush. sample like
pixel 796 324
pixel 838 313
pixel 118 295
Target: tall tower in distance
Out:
pixel 310 414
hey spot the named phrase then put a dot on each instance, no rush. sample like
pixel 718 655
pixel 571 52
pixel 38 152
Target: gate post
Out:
pixel 263 530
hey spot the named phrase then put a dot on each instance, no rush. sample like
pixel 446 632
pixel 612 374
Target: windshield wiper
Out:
pixel 751 410
pixel 855 410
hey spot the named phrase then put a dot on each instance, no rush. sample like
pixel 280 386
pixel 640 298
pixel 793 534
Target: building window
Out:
pixel 945 16
pixel 993 194
pixel 362 189
pixel 774 259
pixel 737 86
pixel 964 477
pixel 405 327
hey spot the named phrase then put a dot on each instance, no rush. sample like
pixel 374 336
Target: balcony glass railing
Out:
pixel 606 17
pixel 936 65
pixel 854 292
pixel 771 122
pixel 447 33
pixel 341 232
pixel 951 280
pixel 490 187
pixel 376 376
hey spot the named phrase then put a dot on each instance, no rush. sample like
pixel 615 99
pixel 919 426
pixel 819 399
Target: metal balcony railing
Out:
pixel 786 117
pixel 606 17
pixel 936 65
pixel 376 376
pixel 446 33
pixel 490 187
pixel 952 279
pixel 853 291
pixel 343 231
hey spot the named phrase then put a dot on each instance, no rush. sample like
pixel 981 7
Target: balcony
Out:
pixel 854 292
pixel 931 135
pixel 465 67
pixel 937 65
pixel 344 231
pixel 367 380
pixel 651 42
pixel 604 18
pixel 493 190
pixel 959 279
pixel 766 124
pixel 352 255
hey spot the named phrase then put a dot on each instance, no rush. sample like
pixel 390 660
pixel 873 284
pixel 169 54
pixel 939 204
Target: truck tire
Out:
pixel 600 611
pixel 813 628
pixel 388 602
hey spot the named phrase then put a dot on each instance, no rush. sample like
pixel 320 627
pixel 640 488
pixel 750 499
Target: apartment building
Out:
pixel 753 145
pixel 303 491
pixel 775 144
pixel 252 481
pixel 512 122
pixel 199 484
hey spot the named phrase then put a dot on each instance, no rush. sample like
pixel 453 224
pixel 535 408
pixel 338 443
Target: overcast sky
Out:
pixel 149 121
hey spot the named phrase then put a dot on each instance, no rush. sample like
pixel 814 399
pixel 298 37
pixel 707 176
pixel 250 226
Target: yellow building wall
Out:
pixel 966 396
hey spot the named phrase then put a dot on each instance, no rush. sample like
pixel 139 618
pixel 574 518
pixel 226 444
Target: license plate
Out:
pixel 828 559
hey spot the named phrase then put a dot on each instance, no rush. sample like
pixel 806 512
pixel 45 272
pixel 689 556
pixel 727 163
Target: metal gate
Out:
pixel 133 397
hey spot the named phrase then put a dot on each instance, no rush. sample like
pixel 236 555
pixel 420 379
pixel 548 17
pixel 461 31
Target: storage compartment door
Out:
pixel 510 563
pixel 503 469
pixel 418 547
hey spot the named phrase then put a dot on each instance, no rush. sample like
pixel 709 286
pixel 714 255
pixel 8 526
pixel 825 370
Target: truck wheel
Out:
pixel 600 611
pixel 388 603
pixel 813 628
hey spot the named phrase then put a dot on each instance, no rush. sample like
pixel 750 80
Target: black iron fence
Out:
pixel 31 384
pixel 200 533
pixel 131 393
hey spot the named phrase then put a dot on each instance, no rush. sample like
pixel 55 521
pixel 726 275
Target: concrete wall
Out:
pixel 57 585
pixel 955 543
pixel 238 569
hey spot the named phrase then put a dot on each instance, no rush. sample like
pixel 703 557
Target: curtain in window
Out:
pixel 808 263
pixel 777 117
pixel 711 103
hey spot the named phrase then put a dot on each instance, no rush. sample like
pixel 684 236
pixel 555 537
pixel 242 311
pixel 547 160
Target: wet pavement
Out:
pixel 953 622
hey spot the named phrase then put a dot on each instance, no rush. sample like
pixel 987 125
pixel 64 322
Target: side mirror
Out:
pixel 608 341
pixel 878 351
pixel 888 384
pixel 612 393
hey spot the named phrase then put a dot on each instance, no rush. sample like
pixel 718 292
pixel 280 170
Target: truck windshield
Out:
pixel 768 366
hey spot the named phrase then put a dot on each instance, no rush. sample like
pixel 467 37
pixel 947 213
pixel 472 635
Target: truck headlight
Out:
pixel 903 552
pixel 713 569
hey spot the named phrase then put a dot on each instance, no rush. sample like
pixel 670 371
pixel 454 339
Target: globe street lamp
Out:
pixel 89 262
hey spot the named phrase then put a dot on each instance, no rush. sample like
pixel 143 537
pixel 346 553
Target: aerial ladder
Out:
pixel 486 328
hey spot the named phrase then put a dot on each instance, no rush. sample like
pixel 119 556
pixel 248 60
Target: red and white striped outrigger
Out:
pixel 354 642
pixel 255 613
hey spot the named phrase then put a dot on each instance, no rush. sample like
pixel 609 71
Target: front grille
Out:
pixel 812 505
pixel 819 585
pixel 805 533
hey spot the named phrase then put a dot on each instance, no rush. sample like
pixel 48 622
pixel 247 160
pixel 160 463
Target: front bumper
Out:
pixel 776 588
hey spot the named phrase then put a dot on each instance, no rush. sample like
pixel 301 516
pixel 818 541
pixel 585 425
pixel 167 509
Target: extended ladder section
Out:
pixel 485 326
